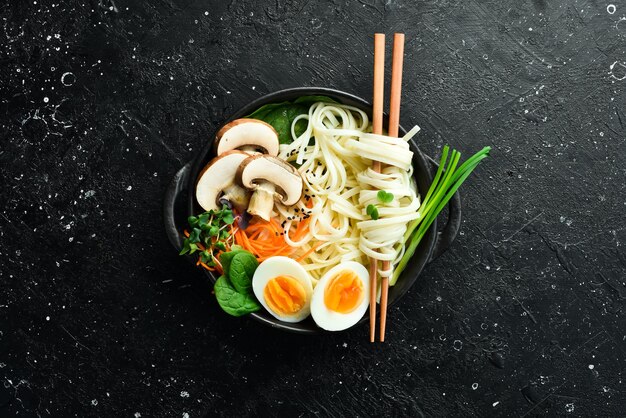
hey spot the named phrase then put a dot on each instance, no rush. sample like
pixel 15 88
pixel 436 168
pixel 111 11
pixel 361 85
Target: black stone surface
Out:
pixel 103 101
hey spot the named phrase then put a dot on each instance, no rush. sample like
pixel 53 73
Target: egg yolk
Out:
pixel 344 292
pixel 284 295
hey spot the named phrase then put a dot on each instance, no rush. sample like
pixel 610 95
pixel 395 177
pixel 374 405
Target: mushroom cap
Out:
pixel 218 175
pixel 247 132
pixel 261 168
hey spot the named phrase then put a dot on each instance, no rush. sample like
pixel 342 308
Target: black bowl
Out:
pixel 180 202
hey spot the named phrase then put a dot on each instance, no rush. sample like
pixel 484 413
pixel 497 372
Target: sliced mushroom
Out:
pixel 248 135
pixel 217 183
pixel 270 178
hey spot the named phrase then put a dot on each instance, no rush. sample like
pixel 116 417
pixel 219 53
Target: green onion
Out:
pixel 446 182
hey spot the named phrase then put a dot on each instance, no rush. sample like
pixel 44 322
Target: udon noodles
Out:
pixel 334 155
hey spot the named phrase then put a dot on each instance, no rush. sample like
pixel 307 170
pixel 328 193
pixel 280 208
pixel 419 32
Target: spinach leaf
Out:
pixel 314 99
pixel 242 268
pixel 262 112
pixel 281 119
pixel 227 258
pixel 233 302
pixel 281 115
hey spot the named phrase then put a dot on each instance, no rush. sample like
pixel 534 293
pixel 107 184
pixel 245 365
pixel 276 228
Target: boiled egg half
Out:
pixel 284 288
pixel 341 296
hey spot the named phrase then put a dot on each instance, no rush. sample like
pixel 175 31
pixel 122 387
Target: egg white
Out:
pixel 335 321
pixel 282 266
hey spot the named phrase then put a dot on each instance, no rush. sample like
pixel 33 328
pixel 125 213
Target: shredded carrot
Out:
pixel 266 239
pixel 263 239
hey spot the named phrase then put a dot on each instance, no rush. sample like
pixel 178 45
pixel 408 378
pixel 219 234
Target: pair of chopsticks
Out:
pixel 377 128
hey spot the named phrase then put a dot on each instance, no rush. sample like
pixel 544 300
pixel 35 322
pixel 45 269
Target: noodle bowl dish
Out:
pixel 283 210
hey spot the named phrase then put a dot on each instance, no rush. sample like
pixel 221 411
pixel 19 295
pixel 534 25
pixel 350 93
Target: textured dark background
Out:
pixel 103 102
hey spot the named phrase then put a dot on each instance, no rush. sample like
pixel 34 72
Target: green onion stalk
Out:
pixel 446 182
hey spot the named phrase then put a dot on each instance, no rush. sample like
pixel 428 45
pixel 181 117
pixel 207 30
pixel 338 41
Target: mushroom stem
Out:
pixel 262 201
pixel 237 196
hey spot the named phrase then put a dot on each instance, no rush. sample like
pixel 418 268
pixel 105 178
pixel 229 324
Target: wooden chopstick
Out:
pixel 394 122
pixel 377 128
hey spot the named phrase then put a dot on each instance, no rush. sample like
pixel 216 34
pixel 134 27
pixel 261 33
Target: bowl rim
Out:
pixel 428 243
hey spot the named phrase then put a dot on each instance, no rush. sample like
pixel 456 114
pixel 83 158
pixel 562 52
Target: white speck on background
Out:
pixel 129 188
pixel 569 407
pixel 184 394
pixel 185 415
pixel 94 402
pixel 620 67
pixel 47 318
pixel 591 366
pixel 65 81
pixel 474 386
pixel 611 9
pixel 495 403
pixel 46 100
pixel 137 415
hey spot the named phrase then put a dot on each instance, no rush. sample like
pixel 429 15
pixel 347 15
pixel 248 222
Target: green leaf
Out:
pixel 194 236
pixel 220 246
pixel 301 126
pixel 372 211
pixel 192 221
pixel 384 197
pixel 214 230
pixel 233 302
pixel 264 110
pixel 241 269
pixel 313 99
pixel 282 115
pixel 203 219
pixel 226 258
pixel 281 119
pixel 206 257
pixel 193 248
pixel 185 248
pixel 228 217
